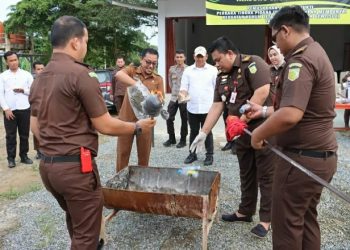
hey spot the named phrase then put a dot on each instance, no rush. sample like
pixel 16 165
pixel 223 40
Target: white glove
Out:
pixel 198 145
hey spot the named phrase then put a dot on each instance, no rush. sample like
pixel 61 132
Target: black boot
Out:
pixel 171 141
pixel 190 158
pixel 11 162
pixel 227 146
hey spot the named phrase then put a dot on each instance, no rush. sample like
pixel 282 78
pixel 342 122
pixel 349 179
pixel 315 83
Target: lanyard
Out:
pixel 235 84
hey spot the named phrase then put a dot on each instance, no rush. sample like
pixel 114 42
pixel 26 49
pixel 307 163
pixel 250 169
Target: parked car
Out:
pixel 105 78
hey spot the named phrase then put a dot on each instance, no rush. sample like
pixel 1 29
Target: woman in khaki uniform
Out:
pixel 130 75
pixel 277 64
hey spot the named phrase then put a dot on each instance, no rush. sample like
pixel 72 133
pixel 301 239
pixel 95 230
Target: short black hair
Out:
pixel 293 16
pixel 37 63
pixel 64 29
pixel 9 53
pixel 149 51
pixel 119 57
pixel 223 45
pixel 179 51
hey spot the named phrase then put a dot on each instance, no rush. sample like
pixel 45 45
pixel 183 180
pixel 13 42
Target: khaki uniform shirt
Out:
pixel 118 88
pixel 152 82
pixel 175 74
pixel 63 98
pixel 307 83
pixel 248 74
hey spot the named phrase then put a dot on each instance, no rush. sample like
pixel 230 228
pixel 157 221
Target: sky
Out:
pixel 4 10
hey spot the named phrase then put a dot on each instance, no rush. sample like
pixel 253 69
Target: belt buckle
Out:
pixel 327 154
pixel 48 159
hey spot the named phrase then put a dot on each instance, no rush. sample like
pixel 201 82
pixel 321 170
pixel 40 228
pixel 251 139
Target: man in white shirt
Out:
pixel 14 91
pixel 198 81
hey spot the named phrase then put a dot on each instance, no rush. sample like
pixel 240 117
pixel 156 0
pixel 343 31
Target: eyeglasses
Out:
pixel 274 36
pixel 151 63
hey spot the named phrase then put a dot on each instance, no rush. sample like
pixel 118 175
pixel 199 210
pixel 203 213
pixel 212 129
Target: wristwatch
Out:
pixel 138 129
pixel 264 112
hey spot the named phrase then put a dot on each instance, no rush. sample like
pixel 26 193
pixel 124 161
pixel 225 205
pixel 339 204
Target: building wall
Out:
pixel 174 8
pixel 190 33
pixel 193 32
pixel 333 38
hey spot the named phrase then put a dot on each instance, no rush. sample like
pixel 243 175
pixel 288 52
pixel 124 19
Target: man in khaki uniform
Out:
pixel 175 75
pixel 346 82
pixel 302 121
pixel 241 78
pixel 38 67
pixel 118 88
pixel 66 110
pixel 130 75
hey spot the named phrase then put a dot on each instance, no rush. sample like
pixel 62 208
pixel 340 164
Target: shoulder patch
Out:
pixel 295 65
pixel 252 68
pixel 294 71
pixel 93 74
pixel 300 50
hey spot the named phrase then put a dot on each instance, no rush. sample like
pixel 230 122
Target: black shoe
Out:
pixel 181 144
pixel 11 163
pixel 26 160
pixel 259 231
pixel 234 218
pixel 190 158
pixel 100 245
pixel 208 160
pixel 169 142
pixel 227 146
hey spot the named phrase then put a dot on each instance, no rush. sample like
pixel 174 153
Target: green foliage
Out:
pixel 47 230
pixel 14 193
pixel 112 30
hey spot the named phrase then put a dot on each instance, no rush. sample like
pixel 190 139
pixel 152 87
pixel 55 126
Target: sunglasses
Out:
pixel 274 36
pixel 151 63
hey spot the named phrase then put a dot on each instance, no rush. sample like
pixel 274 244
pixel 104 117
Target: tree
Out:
pixel 113 30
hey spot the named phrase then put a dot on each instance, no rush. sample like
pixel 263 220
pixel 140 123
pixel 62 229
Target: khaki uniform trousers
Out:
pixel 295 200
pixel 143 143
pixel 256 171
pixel 118 101
pixel 80 196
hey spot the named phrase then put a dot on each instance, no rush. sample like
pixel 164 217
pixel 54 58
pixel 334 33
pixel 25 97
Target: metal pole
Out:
pixel 304 170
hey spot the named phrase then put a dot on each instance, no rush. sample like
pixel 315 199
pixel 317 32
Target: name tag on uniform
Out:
pixel 233 97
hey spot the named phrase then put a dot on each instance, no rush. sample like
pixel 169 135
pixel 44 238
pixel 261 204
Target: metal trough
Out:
pixel 165 191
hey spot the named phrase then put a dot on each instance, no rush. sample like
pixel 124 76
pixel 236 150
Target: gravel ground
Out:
pixel 40 223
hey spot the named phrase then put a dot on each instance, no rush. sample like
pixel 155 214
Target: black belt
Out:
pixel 63 158
pixel 311 153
